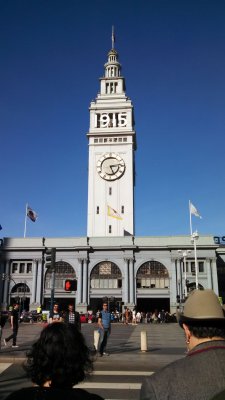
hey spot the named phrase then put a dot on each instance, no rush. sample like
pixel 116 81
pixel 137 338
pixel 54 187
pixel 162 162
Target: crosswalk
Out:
pixel 110 384
pixel 116 377
pixel 117 385
pixel 4 366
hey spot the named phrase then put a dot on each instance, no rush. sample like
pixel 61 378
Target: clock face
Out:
pixel 110 166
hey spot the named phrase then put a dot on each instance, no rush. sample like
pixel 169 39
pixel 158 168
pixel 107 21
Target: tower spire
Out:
pixel 113 37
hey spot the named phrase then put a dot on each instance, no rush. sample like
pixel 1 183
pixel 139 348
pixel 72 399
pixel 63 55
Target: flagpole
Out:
pixel 190 216
pixel 25 223
pixel 113 37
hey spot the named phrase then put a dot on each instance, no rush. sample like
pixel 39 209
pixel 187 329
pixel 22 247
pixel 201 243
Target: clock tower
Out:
pixel 111 139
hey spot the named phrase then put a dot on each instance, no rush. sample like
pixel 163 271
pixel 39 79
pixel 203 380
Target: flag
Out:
pixel 126 233
pixel 0 227
pixel 31 214
pixel 194 211
pixel 113 213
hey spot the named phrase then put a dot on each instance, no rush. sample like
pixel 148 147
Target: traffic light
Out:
pixel 178 298
pixel 70 285
pixel 50 257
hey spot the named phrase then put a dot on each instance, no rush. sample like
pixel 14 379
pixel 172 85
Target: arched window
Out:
pixel 106 275
pixel 20 288
pixel 154 275
pixel 63 270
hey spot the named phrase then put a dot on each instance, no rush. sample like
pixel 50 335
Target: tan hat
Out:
pixel 202 306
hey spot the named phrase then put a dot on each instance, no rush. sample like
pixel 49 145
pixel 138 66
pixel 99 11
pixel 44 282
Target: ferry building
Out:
pixel 146 272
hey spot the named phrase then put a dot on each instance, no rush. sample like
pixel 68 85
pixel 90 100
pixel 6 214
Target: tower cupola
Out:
pixel 112 67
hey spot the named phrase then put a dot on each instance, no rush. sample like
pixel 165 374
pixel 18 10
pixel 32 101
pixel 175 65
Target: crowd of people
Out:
pixel 155 317
pixel 60 358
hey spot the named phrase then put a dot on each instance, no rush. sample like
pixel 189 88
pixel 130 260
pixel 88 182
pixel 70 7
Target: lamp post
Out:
pixel 194 238
pixel 8 278
pixel 184 255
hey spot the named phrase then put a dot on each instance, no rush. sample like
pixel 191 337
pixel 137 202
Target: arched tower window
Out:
pixel 154 275
pixel 106 275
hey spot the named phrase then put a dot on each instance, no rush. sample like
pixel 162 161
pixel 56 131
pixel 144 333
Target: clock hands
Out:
pixel 113 166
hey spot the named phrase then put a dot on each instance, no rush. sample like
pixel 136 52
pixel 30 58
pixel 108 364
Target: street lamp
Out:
pixel 184 255
pixel 7 277
pixel 18 296
pixel 194 238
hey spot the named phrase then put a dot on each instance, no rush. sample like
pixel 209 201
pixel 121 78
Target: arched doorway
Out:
pixel 152 282
pixel 20 294
pixel 106 281
pixel 63 271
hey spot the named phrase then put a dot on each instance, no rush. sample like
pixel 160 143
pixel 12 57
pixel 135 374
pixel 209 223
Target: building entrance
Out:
pixel 152 304
pixel 114 303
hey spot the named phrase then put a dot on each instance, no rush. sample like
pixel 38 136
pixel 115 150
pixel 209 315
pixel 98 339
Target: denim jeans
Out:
pixel 104 334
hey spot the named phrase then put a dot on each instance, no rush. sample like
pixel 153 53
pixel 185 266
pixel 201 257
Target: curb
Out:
pixel 12 360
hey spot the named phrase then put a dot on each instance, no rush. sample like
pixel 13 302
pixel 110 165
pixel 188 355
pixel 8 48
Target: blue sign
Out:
pixel 219 240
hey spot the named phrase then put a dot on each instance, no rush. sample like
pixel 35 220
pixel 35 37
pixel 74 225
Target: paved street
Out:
pixel 118 376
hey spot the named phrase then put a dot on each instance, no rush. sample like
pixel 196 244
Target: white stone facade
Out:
pixel 111 157
pixel 128 254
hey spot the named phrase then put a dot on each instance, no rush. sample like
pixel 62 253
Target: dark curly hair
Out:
pixel 202 332
pixel 60 355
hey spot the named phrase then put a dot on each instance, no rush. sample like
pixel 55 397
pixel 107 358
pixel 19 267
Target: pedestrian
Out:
pixel 72 317
pixel 126 315
pixel 14 321
pixel 3 319
pixel 58 360
pixel 104 329
pixel 163 316
pixel 134 321
pixel 201 374
pixel 55 315
pixel 138 317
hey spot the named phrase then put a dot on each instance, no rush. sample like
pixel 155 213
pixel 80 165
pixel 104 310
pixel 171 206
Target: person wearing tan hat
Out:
pixel 201 374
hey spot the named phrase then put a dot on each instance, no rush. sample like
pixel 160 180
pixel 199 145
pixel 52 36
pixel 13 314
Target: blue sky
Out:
pixel 173 59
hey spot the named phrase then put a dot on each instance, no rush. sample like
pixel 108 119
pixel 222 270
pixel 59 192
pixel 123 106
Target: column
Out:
pixel 174 284
pixel 209 272
pixel 39 280
pixel 131 273
pixel 214 275
pixel 79 281
pixel 126 281
pixel 6 284
pixel 85 282
pixel 34 281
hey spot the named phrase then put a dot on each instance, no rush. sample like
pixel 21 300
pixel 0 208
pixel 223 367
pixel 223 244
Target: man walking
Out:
pixel 104 324
pixel 72 317
pixel 14 320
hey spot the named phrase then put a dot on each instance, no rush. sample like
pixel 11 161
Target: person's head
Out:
pixel 60 357
pixel 56 307
pixel 16 306
pixel 105 306
pixel 70 307
pixel 202 318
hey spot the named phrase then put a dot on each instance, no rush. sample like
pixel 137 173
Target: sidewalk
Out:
pixel 165 344
pixel 27 334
